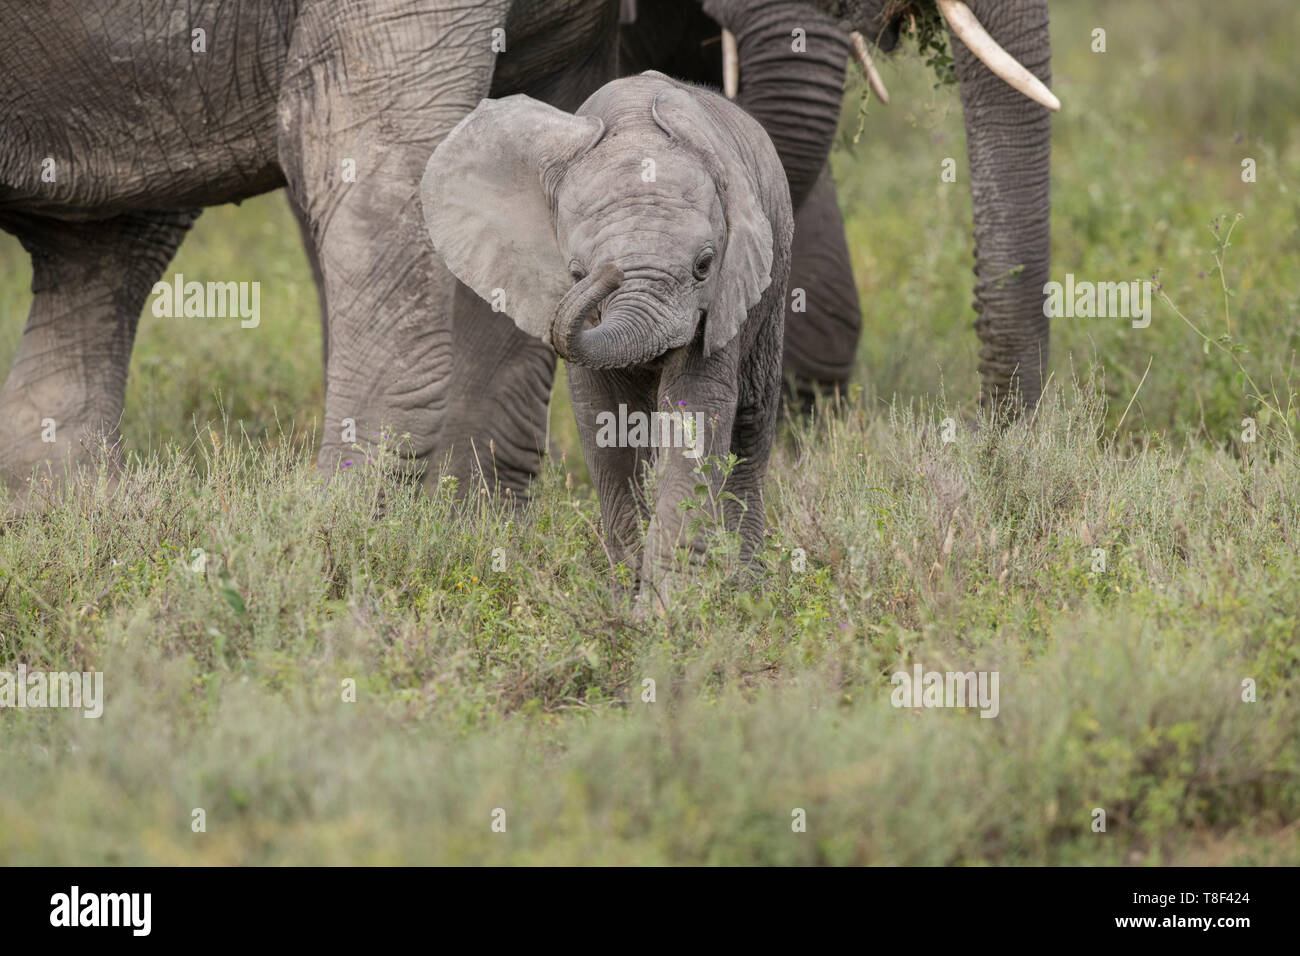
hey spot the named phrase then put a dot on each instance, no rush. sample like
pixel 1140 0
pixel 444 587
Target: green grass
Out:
pixel 523 689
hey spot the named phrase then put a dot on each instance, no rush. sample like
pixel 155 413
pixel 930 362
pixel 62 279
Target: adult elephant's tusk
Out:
pixel 968 29
pixel 860 54
pixel 730 65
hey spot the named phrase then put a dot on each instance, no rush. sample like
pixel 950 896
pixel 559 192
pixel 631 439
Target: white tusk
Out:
pixel 964 25
pixel 730 65
pixel 864 60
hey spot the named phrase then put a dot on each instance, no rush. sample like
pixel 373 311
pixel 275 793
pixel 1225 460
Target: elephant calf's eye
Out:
pixel 577 271
pixel 703 263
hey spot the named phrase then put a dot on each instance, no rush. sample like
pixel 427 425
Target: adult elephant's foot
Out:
pixel 62 402
pixel 800 394
pixel 46 441
pixel 359 442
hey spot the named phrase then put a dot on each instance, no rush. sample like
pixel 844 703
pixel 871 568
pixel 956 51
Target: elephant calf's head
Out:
pixel 638 215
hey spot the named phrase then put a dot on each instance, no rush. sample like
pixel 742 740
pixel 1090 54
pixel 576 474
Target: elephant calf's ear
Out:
pixel 487 210
pixel 746 267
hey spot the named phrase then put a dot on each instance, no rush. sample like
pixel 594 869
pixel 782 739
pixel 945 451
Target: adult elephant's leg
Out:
pixel 494 427
pixel 499 390
pixel 370 90
pixel 318 277
pixel 821 341
pixel 66 388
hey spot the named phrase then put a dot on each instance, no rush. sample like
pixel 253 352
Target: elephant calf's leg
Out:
pixel 614 464
pixel 65 391
pixel 754 428
pixel 682 519
pixel 752 444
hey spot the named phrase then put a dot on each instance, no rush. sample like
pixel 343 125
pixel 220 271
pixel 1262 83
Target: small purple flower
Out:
pixel 347 464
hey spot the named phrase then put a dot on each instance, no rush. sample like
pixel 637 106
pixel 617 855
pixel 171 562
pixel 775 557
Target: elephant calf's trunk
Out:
pixel 576 307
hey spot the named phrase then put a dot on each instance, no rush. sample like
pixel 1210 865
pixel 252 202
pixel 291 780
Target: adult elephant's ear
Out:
pixel 488 209
pixel 745 270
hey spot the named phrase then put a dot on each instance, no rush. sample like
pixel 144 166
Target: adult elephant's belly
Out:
pixel 113 106
pixel 557 51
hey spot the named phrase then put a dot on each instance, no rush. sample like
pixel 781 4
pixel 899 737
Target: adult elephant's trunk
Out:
pixel 619 341
pixel 796 93
pixel 1008 142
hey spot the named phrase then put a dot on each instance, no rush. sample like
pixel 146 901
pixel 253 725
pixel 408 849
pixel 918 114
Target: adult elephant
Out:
pixel 795 90
pixel 120 121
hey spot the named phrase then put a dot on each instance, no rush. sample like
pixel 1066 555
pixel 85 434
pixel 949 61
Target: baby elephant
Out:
pixel 646 239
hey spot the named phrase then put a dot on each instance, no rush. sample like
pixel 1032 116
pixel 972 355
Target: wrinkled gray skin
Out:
pixel 681 272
